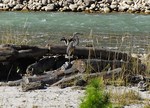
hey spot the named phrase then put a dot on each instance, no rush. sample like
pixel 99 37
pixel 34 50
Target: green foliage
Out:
pixel 95 96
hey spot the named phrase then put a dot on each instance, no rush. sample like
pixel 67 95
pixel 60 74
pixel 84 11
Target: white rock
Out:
pixel 18 7
pixel 106 10
pixel 73 7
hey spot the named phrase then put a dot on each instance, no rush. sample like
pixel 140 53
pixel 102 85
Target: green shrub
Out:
pixel 95 96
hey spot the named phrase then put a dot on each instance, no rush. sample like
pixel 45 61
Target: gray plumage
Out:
pixel 71 43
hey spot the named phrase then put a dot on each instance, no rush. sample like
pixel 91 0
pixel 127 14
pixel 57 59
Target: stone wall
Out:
pixel 104 6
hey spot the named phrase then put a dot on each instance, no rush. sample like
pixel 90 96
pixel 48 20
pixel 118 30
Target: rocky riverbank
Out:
pixel 102 6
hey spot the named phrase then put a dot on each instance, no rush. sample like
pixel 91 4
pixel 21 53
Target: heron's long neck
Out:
pixel 66 42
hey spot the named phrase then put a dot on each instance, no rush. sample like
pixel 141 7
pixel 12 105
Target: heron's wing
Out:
pixel 76 41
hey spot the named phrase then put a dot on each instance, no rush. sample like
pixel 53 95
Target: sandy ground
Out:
pixel 52 97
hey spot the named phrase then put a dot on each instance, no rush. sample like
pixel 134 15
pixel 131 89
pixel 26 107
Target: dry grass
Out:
pixel 13 39
pixel 125 98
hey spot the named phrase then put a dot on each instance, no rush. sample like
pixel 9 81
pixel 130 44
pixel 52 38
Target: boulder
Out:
pixel 60 3
pixel 129 2
pixel 107 1
pixel 70 1
pixel 65 8
pixel 93 6
pixel 114 3
pixel 6 1
pixel 44 2
pixel 4 6
pixel 30 2
pixel 12 4
pixel 18 7
pixel 81 8
pixel 114 7
pixel 49 7
pixel 88 2
pixel 80 2
pixel 147 11
pixel 106 10
pixel 122 8
pixel 49 1
pixel 73 7
pixel 25 8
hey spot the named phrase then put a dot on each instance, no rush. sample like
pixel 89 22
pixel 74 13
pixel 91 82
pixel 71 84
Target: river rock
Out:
pixel 114 3
pixel 65 8
pixel 79 2
pixel 49 7
pixel 88 2
pixel 93 6
pixel 131 10
pixel 12 3
pixel 25 8
pixel 113 7
pixel 60 3
pixel 65 3
pixel 108 1
pixel 6 1
pixel 147 11
pixel 70 1
pixel 123 8
pixel 49 1
pixel 4 6
pixel 73 7
pixel 18 7
pixel 106 10
pixel 81 8
pixel 129 2
pixel 44 2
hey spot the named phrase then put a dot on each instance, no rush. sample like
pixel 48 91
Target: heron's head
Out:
pixel 64 40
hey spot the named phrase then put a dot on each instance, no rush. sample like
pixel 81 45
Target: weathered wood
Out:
pixel 31 86
pixel 91 52
pixel 36 82
pixel 107 74
pixel 98 65
pixel 7 53
pixel 14 83
pixel 34 52
pixel 44 64
pixel 12 52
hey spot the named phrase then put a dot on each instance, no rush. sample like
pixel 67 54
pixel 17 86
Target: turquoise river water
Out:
pixel 45 27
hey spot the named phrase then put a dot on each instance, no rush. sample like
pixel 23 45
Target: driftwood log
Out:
pixel 16 59
pixel 91 52
pixel 11 52
pixel 34 82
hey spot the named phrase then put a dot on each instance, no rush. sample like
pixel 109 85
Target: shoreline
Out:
pixel 87 6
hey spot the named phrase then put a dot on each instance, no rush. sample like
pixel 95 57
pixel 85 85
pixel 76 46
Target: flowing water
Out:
pixel 117 30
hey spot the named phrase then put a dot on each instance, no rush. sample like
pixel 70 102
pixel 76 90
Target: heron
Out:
pixel 71 43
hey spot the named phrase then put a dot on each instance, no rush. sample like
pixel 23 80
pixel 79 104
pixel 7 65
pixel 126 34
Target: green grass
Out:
pixel 95 97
